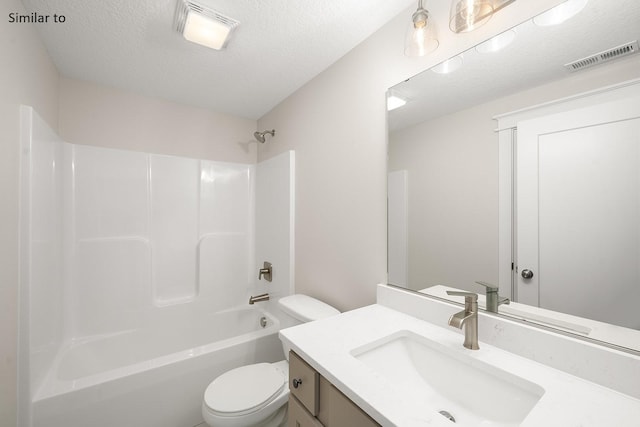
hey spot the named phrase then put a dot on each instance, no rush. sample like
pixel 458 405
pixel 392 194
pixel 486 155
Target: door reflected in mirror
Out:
pixel 460 177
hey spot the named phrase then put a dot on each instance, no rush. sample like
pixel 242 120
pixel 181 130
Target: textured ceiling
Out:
pixel 537 56
pixel 278 47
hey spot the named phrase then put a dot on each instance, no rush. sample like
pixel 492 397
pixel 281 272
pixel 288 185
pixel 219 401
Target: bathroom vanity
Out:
pixel 401 364
pixel 315 402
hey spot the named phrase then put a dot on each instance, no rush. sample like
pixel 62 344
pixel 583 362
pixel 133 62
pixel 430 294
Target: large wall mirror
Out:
pixel 457 205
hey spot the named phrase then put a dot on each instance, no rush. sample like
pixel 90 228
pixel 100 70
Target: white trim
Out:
pixel 292 222
pixel 23 362
pixel 505 187
pixel 607 93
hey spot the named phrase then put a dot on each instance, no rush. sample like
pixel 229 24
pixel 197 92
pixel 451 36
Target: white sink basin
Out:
pixel 471 391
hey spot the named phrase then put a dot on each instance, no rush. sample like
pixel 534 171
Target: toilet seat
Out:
pixel 244 390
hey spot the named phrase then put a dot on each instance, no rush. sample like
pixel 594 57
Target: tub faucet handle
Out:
pixel 266 271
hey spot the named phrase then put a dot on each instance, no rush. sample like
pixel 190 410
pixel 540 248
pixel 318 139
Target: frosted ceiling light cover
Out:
pixel 204 26
pixel 560 13
pixel 497 43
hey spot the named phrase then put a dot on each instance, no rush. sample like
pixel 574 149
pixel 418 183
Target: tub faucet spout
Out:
pixel 258 298
pixel 467 319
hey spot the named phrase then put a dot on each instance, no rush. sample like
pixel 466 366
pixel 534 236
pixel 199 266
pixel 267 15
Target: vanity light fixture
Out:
pixel 394 101
pixel 560 13
pixel 448 66
pixel 202 25
pixel 467 15
pixel 497 43
pixel 421 35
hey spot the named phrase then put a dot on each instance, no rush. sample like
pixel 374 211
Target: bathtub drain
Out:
pixel 263 321
pixel 448 416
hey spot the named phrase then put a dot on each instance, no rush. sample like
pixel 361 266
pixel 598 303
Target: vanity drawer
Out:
pixel 298 416
pixel 304 383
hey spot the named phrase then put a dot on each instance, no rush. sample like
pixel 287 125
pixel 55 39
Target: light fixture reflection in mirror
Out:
pixel 497 43
pixel 449 66
pixel 560 13
pixel 394 102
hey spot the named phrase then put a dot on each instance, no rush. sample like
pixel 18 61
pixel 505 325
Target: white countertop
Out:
pixel 326 345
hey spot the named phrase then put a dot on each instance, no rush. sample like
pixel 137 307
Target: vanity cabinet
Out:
pixel 315 402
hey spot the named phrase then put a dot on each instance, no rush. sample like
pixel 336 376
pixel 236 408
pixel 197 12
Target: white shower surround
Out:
pixel 120 242
pixel 150 231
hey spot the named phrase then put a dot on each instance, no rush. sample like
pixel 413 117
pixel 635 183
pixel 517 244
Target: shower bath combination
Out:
pixel 261 136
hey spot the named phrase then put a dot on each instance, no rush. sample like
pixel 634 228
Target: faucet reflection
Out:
pixel 467 319
pixel 493 300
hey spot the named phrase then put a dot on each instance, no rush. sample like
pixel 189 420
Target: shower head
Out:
pixel 260 136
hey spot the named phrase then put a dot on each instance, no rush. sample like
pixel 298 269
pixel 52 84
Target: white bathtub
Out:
pixel 152 377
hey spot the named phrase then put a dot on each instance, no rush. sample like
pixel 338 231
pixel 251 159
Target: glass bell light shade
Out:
pixel 467 15
pixel 421 36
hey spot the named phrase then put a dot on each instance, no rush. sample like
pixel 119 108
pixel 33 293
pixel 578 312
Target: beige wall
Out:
pixel 91 114
pixel 27 76
pixel 453 180
pixel 337 125
pixel 453 198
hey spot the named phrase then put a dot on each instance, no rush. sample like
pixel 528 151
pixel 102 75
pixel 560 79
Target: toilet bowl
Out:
pixel 257 394
pixel 250 395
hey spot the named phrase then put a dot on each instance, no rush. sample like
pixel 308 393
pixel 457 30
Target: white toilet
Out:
pixel 257 395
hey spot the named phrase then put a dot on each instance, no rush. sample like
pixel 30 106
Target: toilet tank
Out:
pixel 304 309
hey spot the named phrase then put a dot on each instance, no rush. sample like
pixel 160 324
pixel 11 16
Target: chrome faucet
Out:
pixel 493 300
pixel 258 298
pixel 467 319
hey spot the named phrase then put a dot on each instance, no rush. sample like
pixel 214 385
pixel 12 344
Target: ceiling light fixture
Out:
pixel 204 26
pixel 560 13
pixel 467 15
pixel 421 37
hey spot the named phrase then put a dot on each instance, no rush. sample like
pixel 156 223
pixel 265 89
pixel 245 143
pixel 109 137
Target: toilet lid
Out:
pixel 245 389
